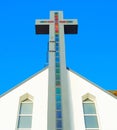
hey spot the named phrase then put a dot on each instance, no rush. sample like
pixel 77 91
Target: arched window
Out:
pixel 25 114
pixel 90 115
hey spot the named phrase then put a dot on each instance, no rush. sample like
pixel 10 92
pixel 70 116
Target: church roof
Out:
pixel 114 92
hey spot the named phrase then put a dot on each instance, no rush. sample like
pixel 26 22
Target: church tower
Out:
pixel 58 92
pixel 57 98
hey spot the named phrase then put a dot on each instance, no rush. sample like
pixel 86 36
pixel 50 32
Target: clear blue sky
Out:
pixel 91 53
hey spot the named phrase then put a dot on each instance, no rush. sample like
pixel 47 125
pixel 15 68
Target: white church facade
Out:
pixel 57 98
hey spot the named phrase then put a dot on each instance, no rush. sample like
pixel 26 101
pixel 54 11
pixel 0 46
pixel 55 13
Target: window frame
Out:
pixel 92 99
pixel 23 100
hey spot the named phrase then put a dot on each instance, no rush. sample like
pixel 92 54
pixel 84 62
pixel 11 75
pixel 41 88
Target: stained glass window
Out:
pixel 57 70
pixel 58 114
pixel 57 64
pixel 58 90
pixel 57 38
pixel 58 76
pixel 58 106
pixel 58 98
pixel 59 123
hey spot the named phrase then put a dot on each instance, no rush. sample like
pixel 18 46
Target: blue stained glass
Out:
pixel 57 74
pixel 58 106
pixel 58 90
pixel 57 64
pixel 57 44
pixel 56 35
pixel 57 48
pixel 57 59
pixel 57 77
pixel 58 98
pixel 57 54
pixel 59 123
pixel 58 70
pixel 58 114
pixel 56 38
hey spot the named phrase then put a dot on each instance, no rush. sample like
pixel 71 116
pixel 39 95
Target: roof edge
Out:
pixel 106 91
pixel 30 77
pixel 112 93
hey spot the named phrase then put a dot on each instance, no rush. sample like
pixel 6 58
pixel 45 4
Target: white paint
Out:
pixel 106 104
pixel 37 87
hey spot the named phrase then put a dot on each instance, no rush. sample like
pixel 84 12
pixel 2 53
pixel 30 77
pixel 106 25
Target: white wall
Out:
pixel 9 103
pixel 106 105
pixel 37 86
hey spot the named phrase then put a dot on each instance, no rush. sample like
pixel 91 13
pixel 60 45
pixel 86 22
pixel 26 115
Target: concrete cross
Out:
pixel 56 25
pixel 69 25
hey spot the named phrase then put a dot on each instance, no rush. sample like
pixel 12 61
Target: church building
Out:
pixel 57 98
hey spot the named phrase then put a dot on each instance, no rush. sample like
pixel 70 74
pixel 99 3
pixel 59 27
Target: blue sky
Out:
pixel 91 53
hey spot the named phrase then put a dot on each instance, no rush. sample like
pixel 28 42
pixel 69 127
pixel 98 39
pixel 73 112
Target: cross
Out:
pixel 58 93
pixel 70 25
pixel 54 26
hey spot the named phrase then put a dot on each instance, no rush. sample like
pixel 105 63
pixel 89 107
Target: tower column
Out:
pixel 58 87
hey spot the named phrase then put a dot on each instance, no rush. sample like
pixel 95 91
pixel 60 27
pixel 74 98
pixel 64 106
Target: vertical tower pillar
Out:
pixel 58 90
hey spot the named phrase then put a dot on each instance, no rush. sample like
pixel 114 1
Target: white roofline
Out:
pixel 106 91
pixel 23 82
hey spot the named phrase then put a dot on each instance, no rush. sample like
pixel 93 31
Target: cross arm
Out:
pixel 42 26
pixel 70 26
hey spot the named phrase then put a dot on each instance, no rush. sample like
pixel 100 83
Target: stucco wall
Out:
pixel 106 105
pixel 37 87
